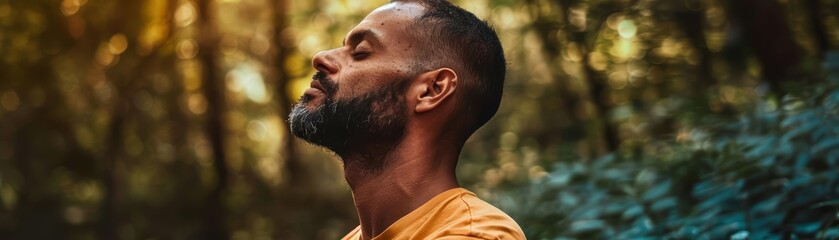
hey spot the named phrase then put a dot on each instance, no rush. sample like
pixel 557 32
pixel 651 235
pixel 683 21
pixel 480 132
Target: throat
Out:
pixel 403 185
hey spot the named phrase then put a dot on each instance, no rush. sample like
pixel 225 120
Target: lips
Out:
pixel 316 85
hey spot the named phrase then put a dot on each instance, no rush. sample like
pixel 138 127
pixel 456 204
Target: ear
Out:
pixel 434 88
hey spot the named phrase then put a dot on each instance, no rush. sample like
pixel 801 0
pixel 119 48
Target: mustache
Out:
pixel 329 85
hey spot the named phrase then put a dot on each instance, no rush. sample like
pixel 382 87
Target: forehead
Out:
pixel 390 21
pixel 407 10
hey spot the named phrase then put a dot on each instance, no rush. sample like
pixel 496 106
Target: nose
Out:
pixel 324 61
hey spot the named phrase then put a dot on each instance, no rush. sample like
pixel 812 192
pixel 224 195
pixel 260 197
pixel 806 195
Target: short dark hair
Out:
pixel 471 47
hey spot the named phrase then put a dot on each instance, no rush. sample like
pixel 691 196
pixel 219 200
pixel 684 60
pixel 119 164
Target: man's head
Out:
pixel 410 66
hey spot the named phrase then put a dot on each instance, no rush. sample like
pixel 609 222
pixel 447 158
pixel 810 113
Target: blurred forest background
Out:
pixel 622 119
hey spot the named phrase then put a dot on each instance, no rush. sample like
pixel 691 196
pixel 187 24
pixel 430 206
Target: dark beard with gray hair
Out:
pixel 368 126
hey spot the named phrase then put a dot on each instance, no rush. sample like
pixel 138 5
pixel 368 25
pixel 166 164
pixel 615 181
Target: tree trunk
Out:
pixel 693 24
pixel 110 221
pixel 817 27
pixel 293 166
pixel 569 123
pixel 766 30
pixel 215 224
pixel 597 85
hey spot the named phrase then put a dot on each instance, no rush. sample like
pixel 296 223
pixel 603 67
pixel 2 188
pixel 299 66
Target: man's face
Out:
pixel 356 103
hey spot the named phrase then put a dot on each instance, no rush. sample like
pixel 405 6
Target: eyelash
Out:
pixel 360 55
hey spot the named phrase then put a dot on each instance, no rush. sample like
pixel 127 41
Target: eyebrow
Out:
pixel 364 34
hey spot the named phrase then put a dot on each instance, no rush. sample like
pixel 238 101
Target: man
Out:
pixel 397 102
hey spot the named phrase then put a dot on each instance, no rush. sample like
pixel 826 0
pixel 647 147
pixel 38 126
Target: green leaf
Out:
pixel 810 227
pixel 767 205
pixel 834 202
pixel 802 160
pixel 830 143
pixel 657 191
pixel 717 199
pixel 632 212
pixel 664 204
pixel 587 225
pixel 801 179
pixel 830 233
pixel 740 235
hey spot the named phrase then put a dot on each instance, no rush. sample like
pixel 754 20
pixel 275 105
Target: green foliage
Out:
pixel 771 174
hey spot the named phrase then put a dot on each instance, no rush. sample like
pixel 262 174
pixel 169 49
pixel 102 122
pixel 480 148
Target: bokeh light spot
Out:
pixel 597 61
pixel 197 104
pixel 578 17
pixel 187 49
pixel 118 43
pixel 509 140
pixel 256 130
pixel 10 100
pixel 260 44
pixel 103 91
pixel 627 28
pixel 185 14
pixel 247 80
pixel 74 215
pixel 70 7
pixel 617 79
pixel 269 169
pixel 8 196
pixel 144 100
pixel 104 56
pixel 573 52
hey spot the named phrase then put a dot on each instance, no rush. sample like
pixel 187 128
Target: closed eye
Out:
pixel 360 55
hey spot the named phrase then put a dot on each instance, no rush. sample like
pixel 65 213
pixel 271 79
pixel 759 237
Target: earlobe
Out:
pixel 437 86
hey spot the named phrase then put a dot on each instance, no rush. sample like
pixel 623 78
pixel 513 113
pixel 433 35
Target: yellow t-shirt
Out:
pixel 454 214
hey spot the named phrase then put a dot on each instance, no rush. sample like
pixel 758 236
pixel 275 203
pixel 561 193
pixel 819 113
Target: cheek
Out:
pixel 363 77
pixel 354 83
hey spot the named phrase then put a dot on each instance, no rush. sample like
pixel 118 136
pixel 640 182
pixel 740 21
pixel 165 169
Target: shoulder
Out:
pixel 355 234
pixel 454 214
pixel 485 221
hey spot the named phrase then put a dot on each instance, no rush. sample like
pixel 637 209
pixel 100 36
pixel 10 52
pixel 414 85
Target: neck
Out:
pixel 412 175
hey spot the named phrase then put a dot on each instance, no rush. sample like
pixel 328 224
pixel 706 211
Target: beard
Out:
pixel 368 126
